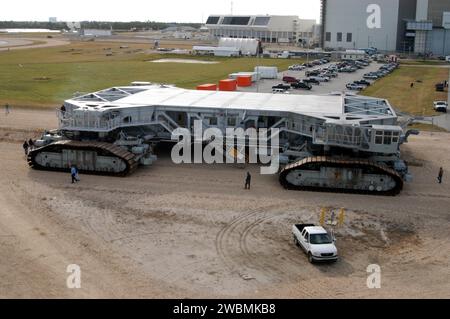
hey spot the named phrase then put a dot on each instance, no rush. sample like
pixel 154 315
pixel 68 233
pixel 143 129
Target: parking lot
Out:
pixel 334 85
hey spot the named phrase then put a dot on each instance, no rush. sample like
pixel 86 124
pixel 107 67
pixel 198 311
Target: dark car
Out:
pixel 440 87
pixel 313 81
pixel 301 85
pixel 312 73
pixel 281 86
pixel 289 79
pixel 362 82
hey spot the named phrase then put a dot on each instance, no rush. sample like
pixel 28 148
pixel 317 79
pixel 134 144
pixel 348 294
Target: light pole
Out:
pixel 448 98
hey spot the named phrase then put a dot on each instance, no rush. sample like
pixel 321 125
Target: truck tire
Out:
pixel 310 258
pixel 296 242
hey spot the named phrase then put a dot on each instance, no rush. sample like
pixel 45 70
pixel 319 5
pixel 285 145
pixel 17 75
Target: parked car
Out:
pixel 440 87
pixel 296 67
pixel 440 106
pixel 312 81
pixel 312 73
pixel 301 85
pixel 315 242
pixel 320 78
pixel 280 91
pixel 289 79
pixel 370 76
pixel 362 82
pixel 281 86
pixel 354 87
pixel 347 69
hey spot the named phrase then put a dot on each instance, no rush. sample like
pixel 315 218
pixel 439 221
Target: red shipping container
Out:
pixel 227 85
pixel 207 87
pixel 244 80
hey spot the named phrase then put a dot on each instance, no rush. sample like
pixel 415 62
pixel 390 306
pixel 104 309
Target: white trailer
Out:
pixel 267 72
pixel 254 75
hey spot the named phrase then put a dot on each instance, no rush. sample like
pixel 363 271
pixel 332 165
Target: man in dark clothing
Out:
pixel 63 110
pixel 30 144
pixel 440 175
pixel 25 147
pixel 248 180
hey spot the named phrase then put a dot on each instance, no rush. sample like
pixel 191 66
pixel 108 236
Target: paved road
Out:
pixel 335 85
pixel 27 43
pixel 442 121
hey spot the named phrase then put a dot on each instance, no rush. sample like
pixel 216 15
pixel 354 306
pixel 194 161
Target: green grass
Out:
pixel 417 100
pixel 46 77
pixel 424 62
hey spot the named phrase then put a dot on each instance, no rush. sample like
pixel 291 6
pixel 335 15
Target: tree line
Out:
pixel 118 26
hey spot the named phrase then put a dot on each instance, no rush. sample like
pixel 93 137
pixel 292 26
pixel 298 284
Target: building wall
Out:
pixel 279 29
pixel 439 42
pixel 407 11
pixel 436 9
pixel 350 17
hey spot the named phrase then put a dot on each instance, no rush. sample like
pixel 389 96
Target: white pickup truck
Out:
pixel 315 241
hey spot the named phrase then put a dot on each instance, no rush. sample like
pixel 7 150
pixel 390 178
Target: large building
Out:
pixel 267 28
pixel 414 26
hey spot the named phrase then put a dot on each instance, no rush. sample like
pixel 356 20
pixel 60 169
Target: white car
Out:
pixel 316 242
pixel 320 78
pixel 296 67
pixel 440 106
pixel 354 87
pixel 280 91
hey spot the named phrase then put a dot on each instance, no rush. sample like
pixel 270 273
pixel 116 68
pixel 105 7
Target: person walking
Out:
pixel 440 175
pixel 248 180
pixel 63 110
pixel 25 147
pixel 7 109
pixel 74 174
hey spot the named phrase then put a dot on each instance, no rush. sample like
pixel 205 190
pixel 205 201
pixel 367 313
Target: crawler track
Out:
pixel 344 163
pixel 106 148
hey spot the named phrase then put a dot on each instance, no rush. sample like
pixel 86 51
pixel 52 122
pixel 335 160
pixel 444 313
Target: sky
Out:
pixel 143 10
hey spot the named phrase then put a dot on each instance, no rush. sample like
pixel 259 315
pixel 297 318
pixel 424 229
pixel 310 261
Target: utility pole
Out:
pixel 448 98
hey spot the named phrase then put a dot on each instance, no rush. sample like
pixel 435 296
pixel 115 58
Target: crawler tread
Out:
pixel 114 150
pixel 324 161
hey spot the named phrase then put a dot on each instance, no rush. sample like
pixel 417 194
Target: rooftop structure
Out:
pixel 329 108
pixel 268 28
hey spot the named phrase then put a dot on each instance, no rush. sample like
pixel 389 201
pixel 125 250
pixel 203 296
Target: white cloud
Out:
pixel 143 10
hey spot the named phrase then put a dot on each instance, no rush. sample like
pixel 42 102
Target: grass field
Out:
pixel 417 100
pixel 45 77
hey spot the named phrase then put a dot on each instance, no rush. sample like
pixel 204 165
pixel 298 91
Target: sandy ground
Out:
pixel 192 231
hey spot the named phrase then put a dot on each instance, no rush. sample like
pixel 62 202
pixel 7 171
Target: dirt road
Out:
pixel 192 231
